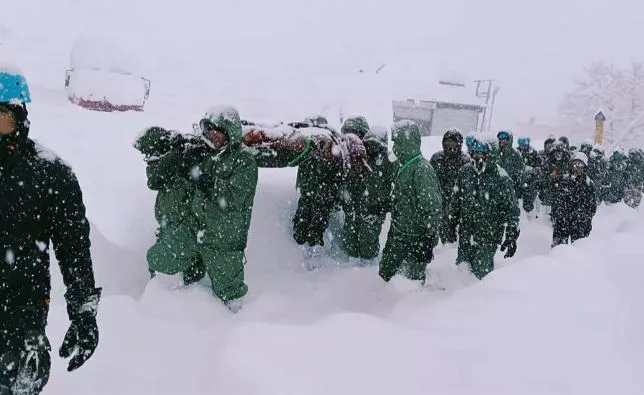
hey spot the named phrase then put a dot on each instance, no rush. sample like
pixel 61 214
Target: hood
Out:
pixel 453 134
pixel 580 156
pixel 356 125
pixel 406 138
pixel 226 119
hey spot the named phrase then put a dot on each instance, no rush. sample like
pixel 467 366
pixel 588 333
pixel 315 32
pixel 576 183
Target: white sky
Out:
pixel 534 49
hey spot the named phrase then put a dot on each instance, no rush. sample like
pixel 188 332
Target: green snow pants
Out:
pixel 480 256
pixel 177 250
pixel 401 256
pixel 361 234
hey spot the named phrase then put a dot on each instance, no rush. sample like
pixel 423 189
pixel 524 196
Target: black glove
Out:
pixel 528 206
pixel 81 338
pixel 510 243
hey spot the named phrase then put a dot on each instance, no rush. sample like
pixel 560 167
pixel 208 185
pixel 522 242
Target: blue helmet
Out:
pixel 524 141
pixel 13 88
pixel 469 140
pixel 478 146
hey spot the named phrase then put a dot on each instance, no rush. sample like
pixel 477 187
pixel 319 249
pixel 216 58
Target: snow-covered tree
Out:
pixel 619 93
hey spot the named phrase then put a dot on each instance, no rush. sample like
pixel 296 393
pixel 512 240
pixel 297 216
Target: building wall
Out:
pixel 465 120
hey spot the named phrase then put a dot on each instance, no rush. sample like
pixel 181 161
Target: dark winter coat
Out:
pixel 41 202
pixel 532 167
pixel 635 178
pixel 371 188
pixel 447 166
pixel 512 162
pixel 484 206
pixel 573 208
pixel 616 179
pixel 553 171
pixel 574 200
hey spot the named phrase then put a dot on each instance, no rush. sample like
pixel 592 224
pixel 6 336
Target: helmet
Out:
pixel 478 146
pixel 524 141
pixel 504 135
pixel 469 140
pixel 13 88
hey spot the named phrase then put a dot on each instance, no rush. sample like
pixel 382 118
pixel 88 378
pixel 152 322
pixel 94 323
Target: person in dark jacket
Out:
pixel 597 168
pixel 555 168
pixel 319 178
pixel 635 178
pixel 573 205
pixel 565 141
pixel 41 203
pixel 531 167
pixel 447 164
pixel 367 194
pixel 484 210
pixel 510 160
pixel 615 181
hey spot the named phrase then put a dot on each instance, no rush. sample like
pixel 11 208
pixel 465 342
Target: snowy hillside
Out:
pixel 562 321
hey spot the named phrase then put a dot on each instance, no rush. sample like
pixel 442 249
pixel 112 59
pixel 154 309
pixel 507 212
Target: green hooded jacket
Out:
pixel 416 197
pixel 224 208
pixel 485 204
pixel 512 162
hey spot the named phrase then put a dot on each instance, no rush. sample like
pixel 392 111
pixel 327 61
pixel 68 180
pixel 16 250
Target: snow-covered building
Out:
pixel 444 106
pixel 103 77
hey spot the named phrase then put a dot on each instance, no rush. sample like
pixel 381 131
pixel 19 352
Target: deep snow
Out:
pixel 562 321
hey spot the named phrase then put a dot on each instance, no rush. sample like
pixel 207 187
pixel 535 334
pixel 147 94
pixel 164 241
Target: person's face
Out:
pixel 7 122
pixel 451 145
pixel 218 138
pixel 578 167
pixel 504 141
pixel 558 155
pixel 479 159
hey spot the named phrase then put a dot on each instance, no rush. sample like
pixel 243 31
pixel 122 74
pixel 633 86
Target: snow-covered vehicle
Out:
pixel 102 77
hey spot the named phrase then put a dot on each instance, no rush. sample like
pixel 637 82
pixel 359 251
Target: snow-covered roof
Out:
pixel 445 86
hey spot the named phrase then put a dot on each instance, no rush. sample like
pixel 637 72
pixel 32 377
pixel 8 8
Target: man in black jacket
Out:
pixel 41 202
pixel 573 203
pixel 447 164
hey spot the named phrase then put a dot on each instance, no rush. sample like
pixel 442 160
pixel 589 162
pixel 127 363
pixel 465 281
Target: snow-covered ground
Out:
pixel 562 321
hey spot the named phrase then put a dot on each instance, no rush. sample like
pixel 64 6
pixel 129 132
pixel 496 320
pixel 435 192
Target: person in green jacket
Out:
pixel 318 179
pixel 511 161
pixel 416 209
pixel 169 157
pixel 483 208
pixel 366 200
pixel 225 181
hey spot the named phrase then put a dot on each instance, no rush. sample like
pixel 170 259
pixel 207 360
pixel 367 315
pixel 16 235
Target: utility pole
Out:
pixel 489 123
pixel 484 89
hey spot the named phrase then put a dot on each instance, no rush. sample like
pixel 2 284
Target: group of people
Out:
pixel 206 182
